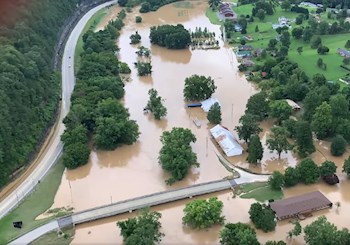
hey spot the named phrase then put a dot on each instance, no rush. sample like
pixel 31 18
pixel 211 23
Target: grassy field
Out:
pixel 212 16
pixel 90 25
pixel 260 191
pixel 308 58
pixel 37 203
pixel 53 238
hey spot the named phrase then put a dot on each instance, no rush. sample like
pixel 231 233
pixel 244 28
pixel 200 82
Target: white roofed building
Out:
pixel 206 104
pixel 226 141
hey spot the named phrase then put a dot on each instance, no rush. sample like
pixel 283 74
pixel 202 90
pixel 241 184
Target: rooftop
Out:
pixel 293 206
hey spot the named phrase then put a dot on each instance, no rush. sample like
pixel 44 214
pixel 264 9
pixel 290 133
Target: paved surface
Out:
pixel 55 146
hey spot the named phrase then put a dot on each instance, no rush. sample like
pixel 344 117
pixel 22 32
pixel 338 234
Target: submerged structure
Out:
pixel 299 206
pixel 226 141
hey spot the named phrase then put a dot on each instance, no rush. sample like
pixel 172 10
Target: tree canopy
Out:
pixel 143 229
pixel 346 166
pixel 176 155
pixel 309 171
pixel 327 168
pixel 198 88
pixel 291 177
pixel 304 139
pixel 169 36
pixel 249 126
pixel 255 150
pixel 214 114
pixel 262 217
pixel 258 106
pixel 202 214
pixel 278 140
pixel 322 232
pixel 276 180
pixel 338 145
pixel 238 234
pixel 155 105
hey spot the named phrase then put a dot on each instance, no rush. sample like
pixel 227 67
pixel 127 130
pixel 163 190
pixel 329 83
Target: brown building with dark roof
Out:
pixel 300 205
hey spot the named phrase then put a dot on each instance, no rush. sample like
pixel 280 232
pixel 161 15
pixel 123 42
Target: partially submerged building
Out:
pixel 301 205
pixel 226 141
pixel 293 104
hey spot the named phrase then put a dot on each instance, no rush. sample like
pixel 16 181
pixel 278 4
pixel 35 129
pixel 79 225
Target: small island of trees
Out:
pixel 170 36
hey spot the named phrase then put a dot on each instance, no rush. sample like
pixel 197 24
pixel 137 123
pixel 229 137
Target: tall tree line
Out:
pixel 29 89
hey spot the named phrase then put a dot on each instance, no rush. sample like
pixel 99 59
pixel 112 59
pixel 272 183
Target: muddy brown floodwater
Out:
pixel 131 171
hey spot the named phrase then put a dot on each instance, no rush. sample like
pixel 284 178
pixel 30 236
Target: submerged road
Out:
pixel 137 203
pixel 53 149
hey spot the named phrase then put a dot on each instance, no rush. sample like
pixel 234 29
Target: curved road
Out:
pixel 135 204
pixel 55 146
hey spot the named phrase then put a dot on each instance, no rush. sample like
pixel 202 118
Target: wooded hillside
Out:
pixel 29 89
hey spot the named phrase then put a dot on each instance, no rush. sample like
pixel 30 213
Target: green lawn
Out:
pixel 90 25
pixel 260 191
pixel 308 59
pixel 212 16
pixel 37 203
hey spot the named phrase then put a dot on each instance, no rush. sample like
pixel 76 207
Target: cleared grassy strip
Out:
pixel 260 191
pixel 90 25
pixel 213 17
pixel 53 238
pixel 37 203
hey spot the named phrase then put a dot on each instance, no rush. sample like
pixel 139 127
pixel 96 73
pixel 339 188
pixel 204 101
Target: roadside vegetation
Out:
pixel 30 208
pixel 96 108
pixel 90 26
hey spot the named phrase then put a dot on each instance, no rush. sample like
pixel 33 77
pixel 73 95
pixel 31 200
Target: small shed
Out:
pixel 293 104
pixel 206 104
pixel 300 205
pixel 226 141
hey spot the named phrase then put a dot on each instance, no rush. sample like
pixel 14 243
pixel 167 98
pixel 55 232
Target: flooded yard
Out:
pixel 132 171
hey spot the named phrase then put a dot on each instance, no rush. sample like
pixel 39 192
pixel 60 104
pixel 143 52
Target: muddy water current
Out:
pixel 131 171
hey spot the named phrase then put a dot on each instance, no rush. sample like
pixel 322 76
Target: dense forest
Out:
pixel 96 109
pixel 29 91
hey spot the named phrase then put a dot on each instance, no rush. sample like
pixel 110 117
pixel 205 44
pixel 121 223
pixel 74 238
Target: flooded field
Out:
pixel 132 171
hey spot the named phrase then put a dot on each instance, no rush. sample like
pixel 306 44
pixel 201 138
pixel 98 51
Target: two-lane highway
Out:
pixel 54 148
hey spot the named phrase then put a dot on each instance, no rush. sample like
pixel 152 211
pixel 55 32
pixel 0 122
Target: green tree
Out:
pixel 303 137
pixel 214 3
pixel 320 62
pixel 327 168
pixel 322 120
pixel 176 155
pixel 285 38
pixel 346 61
pixel 258 106
pixel 75 155
pixel 280 110
pixel 322 49
pixel 296 231
pixel 316 42
pixel 138 19
pixel 203 214
pixel 135 38
pixel 155 105
pixel 248 127
pixel 143 68
pixel 339 106
pixel 256 28
pixel 278 140
pixel 338 145
pixel 285 5
pixel 309 171
pixel 198 88
pixel 297 32
pixel 255 150
pixel 300 50
pixel 238 234
pixel 261 14
pixel 347 44
pixel 299 19
pixel 169 36
pixel 276 180
pixel 143 229
pixel 307 34
pixel 291 177
pixel 346 166
pixel 322 232
pixel 214 114
pixel 262 217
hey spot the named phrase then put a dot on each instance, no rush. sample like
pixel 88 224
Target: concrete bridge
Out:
pixel 125 206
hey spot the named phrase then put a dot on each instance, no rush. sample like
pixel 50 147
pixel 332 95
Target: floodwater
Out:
pixel 132 171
